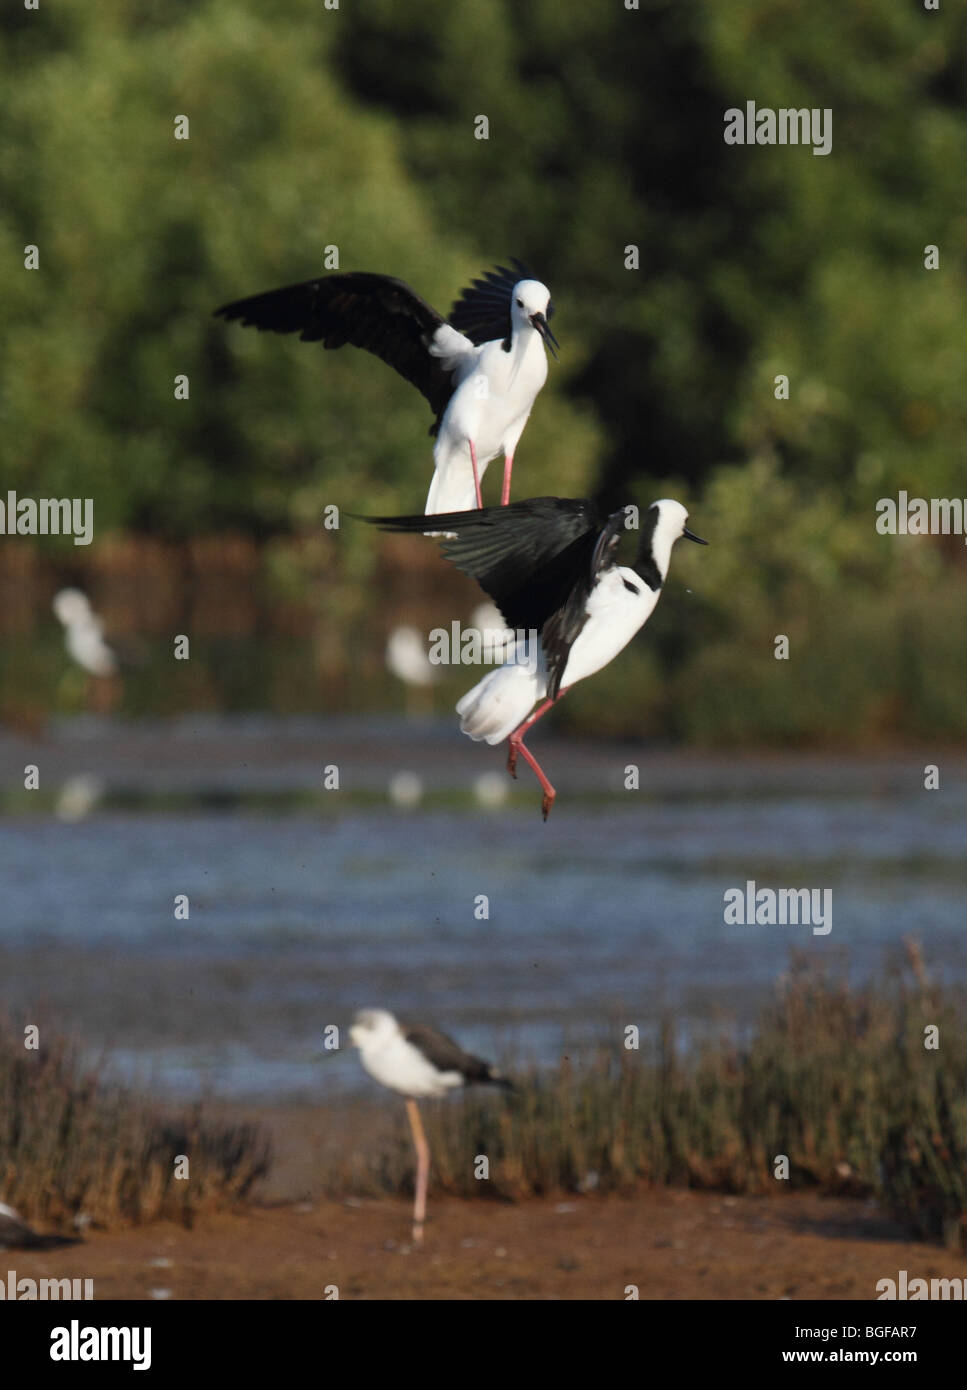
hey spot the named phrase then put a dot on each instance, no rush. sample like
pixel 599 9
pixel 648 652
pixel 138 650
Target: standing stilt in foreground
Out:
pixel 550 564
pixel 416 1061
pixel 481 369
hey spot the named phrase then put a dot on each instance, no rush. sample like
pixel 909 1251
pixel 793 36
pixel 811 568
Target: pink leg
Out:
pixel 517 746
pixel 508 469
pixel 422 1169
pixel 547 800
pixel 476 476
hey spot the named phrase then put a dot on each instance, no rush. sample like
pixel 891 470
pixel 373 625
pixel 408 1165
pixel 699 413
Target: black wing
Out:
pixel 482 313
pixel 526 556
pixel 562 628
pixel 375 312
pixel 446 1055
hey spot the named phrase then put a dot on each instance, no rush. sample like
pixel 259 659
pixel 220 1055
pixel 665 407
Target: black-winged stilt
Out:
pixel 480 370
pixel 15 1234
pixel 84 633
pixel 550 565
pixel 417 1062
pixel 408 660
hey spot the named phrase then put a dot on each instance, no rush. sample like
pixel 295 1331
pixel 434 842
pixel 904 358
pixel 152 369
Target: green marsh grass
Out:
pixel 75 1147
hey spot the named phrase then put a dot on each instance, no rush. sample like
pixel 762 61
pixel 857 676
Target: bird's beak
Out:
pixel 543 328
pixel 691 536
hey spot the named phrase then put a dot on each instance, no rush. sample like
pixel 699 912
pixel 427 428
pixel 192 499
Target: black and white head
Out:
pixel 662 525
pixel 531 306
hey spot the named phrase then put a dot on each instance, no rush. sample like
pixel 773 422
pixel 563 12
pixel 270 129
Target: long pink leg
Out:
pixel 508 469
pixel 517 745
pixel 422 1168
pixel 476 476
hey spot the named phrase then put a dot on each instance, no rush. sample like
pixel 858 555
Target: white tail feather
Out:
pixel 492 710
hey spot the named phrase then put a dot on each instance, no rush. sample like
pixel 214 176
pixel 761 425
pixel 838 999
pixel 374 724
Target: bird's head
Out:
pixel 370 1027
pixel 670 521
pixel 531 304
pixel 71 606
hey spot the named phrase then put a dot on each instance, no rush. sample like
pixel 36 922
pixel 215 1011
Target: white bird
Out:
pixel 79 796
pixel 405 789
pixel 481 370
pixel 550 564
pixel 417 1062
pixel 407 659
pixel 84 633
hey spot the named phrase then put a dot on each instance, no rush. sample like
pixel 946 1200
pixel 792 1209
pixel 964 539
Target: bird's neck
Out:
pixel 524 337
pixel 653 567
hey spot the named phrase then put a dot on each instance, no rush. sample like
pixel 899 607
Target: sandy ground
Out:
pixel 293 1244
pixel 672 1245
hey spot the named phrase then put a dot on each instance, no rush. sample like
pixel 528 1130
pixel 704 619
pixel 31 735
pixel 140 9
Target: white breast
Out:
pixel 615 614
pixel 402 1067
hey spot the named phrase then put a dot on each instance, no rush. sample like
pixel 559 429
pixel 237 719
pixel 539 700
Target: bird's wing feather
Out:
pixel 563 627
pixel 482 312
pixel 525 556
pixel 375 312
pixel 443 1053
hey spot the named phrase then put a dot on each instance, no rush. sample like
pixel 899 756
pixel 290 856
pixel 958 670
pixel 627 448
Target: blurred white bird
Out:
pixel 84 633
pixel 405 789
pixel 79 796
pixel 417 1062
pixel 407 660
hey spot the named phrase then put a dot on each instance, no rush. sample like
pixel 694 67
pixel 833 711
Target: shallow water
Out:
pixel 607 915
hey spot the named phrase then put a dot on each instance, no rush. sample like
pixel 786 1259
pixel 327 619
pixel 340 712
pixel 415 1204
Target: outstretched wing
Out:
pixel 375 312
pixel 482 313
pixel 526 556
pixel 564 626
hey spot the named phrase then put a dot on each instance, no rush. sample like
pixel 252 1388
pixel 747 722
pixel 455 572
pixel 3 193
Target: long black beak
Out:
pixel 691 536
pixel 543 328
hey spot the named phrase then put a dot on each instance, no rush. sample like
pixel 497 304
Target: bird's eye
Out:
pixel 520 304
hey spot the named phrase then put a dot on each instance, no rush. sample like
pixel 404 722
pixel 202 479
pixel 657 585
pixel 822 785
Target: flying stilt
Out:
pixel 417 1062
pixel 550 565
pixel 480 370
